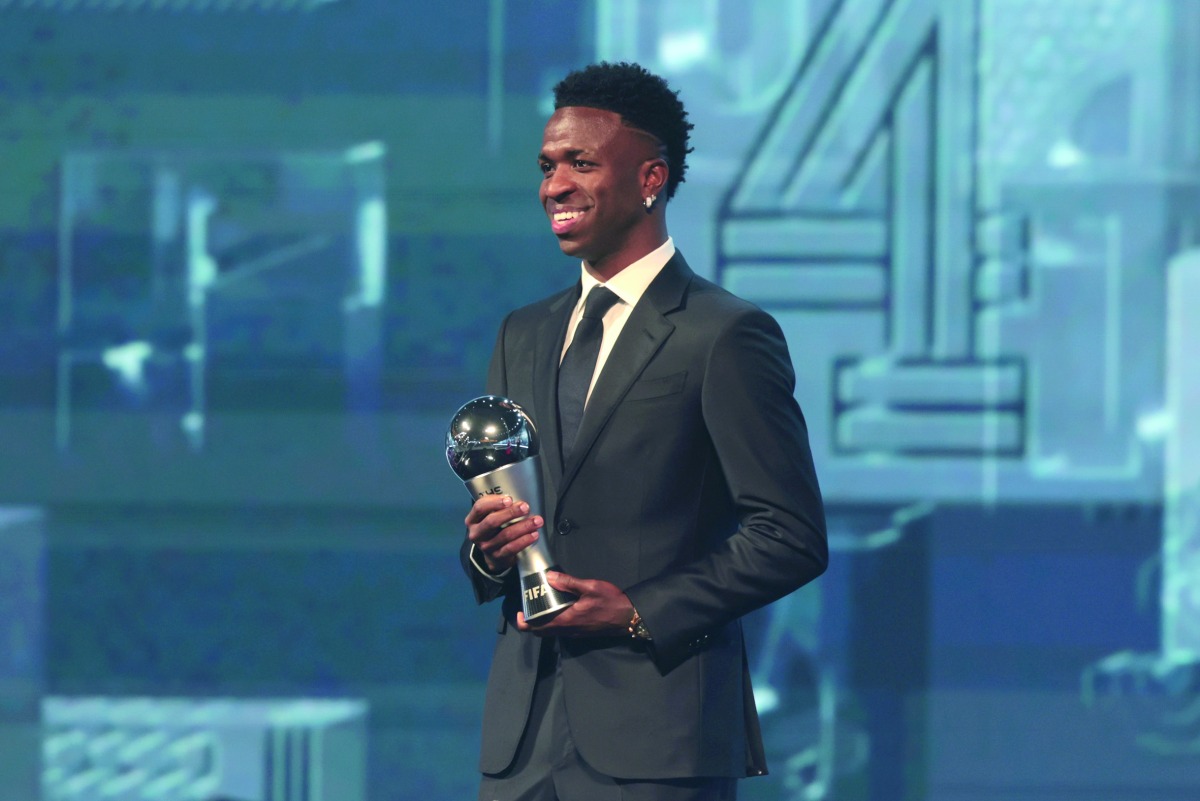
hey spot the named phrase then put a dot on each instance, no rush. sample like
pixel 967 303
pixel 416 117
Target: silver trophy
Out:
pixel 492 445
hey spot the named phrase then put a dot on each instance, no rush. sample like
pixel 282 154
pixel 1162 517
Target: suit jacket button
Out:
pixel 566 526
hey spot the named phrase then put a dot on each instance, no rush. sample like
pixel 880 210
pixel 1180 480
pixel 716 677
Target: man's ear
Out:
pixel 654 177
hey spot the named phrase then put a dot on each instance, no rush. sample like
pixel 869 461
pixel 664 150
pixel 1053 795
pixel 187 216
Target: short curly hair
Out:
pixel 643 100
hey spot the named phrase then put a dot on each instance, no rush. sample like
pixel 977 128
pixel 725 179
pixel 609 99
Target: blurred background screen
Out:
pixel 254 254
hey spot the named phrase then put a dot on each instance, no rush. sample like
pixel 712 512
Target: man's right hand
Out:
pixel 500 546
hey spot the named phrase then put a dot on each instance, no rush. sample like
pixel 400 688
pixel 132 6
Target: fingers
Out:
pixel 491 527
pixel 553 627
pixel 510 541
pixel 544 627
pixel 564 581
pixel 490 514
pixel 485 505
pixel 568 622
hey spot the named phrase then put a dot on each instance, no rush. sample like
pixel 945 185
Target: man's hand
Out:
pixel 500 546
pixel 603 609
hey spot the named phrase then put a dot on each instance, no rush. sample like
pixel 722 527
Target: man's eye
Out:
pixel 545 168
pixel 580 164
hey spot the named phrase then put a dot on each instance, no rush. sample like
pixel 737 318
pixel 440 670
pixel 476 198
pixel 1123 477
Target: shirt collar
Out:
pixel 630 284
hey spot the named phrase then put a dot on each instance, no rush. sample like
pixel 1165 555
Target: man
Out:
pixel 679 498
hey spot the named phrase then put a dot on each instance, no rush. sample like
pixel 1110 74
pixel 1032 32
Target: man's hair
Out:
pixel 643 100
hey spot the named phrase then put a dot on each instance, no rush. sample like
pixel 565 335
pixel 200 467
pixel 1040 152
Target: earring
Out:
pixel 650 203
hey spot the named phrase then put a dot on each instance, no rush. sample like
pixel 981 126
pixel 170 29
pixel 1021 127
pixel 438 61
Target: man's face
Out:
pixel 593 169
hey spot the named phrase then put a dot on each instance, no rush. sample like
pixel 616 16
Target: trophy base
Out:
pixel 539 601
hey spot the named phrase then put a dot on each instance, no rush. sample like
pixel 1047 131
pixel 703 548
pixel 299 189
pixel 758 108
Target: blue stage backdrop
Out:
pixel 253 255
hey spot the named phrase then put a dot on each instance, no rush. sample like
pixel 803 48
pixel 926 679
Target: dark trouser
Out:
pixel 549 768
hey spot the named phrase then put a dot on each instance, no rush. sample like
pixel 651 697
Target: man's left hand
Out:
pixel 603 609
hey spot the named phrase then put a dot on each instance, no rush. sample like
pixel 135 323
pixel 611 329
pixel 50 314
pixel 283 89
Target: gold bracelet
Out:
pixel 637 629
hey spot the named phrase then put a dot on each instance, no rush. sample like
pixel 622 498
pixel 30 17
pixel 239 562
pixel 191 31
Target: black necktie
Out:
pixel 575 372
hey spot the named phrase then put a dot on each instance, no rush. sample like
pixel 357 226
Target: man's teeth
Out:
pixel 563 216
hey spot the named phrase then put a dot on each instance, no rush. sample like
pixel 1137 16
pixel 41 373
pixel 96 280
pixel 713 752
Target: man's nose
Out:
pixel 558 184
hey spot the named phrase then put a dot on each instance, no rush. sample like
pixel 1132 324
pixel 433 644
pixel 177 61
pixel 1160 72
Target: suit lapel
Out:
pixel 551 333
pixel 644 333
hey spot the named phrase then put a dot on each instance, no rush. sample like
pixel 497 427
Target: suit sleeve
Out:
pixel 488 589
pixel 761 442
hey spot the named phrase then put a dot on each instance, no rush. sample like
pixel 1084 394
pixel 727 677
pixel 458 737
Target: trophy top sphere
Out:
pixel 488 433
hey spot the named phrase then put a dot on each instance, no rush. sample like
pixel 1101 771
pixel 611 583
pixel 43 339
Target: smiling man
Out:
pixel 601 180
pixel 679 487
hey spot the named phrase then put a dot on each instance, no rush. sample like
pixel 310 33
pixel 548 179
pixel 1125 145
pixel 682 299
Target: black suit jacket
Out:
pixel 692 488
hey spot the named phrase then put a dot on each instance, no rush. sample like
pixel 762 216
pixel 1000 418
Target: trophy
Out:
pixel 492 445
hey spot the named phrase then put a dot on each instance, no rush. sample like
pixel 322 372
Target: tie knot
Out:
pixel 599 301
